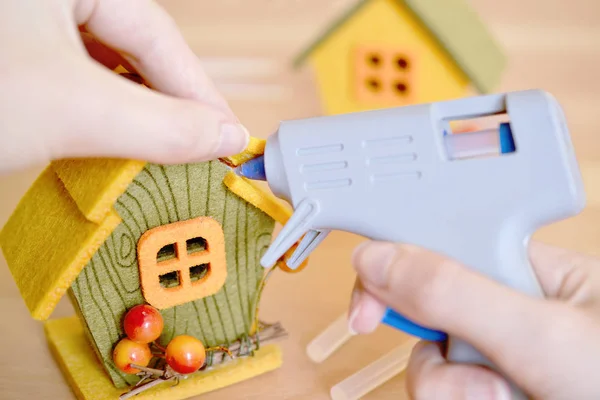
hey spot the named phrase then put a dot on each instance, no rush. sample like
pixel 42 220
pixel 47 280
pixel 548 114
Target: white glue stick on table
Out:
pixel 328 341
pixel 375 374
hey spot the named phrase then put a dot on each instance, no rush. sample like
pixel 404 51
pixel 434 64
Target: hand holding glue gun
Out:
pixel 395 175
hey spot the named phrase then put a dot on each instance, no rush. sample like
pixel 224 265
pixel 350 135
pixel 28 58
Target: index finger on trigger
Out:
pixel 444 295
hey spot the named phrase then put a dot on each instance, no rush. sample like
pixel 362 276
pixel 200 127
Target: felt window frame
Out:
pixel 384 75
pixel 200 271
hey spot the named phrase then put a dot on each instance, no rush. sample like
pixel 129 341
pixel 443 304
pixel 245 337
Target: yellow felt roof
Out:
pixel 68 213
pixel 95 184
pixel 47 242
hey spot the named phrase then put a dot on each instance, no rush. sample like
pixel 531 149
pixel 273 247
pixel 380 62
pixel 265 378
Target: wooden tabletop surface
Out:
pixel 247 46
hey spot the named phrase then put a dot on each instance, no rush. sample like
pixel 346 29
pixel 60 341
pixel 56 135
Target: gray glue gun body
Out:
pixel 401 175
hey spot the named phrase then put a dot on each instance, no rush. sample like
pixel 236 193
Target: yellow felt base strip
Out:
pixel 255 148
pixel 96 183
pixel 47 242
pixel 257 197
pixel 88 380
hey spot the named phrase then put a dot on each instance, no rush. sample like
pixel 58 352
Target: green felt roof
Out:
pixel 457 29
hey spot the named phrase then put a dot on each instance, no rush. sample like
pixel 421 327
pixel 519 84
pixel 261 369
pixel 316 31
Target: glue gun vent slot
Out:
pixel 329 184
pixel 323 167
pixel 388 142
pixel 318 150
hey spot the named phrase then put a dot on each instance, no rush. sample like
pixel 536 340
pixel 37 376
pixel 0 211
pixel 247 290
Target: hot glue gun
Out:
pixel 401 175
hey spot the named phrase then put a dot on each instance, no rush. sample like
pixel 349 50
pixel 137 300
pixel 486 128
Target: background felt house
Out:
pixel 387 53
pixel 114 234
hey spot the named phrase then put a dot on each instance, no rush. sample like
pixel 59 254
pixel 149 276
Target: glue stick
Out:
pixel 328 341
pixel 375 374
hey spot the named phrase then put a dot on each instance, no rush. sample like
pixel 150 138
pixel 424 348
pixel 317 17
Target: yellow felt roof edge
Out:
pixel 95 184
pixel 86 182
pixel 49 302
pixel 255 148
pixel 88 380
pixel 266 202
pixel 254 195
pixel 42 291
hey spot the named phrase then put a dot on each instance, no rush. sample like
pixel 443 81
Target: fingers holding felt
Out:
pixel 149 39
pixel 126 120
pixel 103 54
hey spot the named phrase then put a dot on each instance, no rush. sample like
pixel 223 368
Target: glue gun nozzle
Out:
pixel 253 169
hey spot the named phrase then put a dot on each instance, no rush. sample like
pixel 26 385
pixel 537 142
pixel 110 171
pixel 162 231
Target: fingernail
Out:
pixel 352 319
pixel 366 316
pixel 502 391
pixel 489 389
pixel 353 311
pixel 234 139
pixel 372 260
pixel 355 298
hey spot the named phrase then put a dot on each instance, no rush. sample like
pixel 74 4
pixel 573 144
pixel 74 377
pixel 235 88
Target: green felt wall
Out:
pixel 109 284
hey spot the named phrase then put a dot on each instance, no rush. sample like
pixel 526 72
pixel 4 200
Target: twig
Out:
pixel 151 371
pixel 144 387
pixel 268 333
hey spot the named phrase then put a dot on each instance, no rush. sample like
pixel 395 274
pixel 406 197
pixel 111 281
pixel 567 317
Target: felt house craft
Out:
pixel 117 235
pixel 389 53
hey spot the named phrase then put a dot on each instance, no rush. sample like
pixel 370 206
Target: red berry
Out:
pixel 128 352
pixel 143 324
pixel 185 354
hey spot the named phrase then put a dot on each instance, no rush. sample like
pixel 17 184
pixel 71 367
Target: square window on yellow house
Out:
pixel 384 75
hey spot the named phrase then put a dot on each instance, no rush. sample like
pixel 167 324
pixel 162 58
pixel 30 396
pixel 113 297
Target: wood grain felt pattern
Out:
pixel 88 381
pixel 47 242
pixel 109 284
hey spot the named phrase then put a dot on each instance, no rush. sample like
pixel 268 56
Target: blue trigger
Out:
pixel 397 321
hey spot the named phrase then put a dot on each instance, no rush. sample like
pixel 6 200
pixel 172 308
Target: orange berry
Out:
pixel 143 324
pixel 185 354
pixel 128 352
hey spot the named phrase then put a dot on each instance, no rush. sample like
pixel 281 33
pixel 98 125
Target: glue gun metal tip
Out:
pixel 253 169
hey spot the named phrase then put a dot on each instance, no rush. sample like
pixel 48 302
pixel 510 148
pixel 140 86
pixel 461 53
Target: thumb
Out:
pixel 109 116
pixel 509 328
pixel 430 376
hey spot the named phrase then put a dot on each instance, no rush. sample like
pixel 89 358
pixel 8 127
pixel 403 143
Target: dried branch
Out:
pixel 242 348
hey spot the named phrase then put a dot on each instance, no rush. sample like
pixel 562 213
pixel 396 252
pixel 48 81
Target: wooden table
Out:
pixel 553 44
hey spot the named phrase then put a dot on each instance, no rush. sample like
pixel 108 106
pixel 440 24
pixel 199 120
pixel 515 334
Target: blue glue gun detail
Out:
pixel 397 321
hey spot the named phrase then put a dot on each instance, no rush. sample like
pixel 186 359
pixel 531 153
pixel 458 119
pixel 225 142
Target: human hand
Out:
pixel 60 98
pixel 549 348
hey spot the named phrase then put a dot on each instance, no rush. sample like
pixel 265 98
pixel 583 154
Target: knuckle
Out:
pixel 436 285
pixel 421 279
